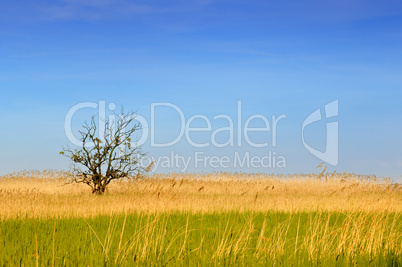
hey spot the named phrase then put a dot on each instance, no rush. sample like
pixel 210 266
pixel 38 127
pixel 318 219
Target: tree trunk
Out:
pixel 98 189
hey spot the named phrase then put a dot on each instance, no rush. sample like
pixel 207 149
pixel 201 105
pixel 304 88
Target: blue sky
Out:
pixel 276 57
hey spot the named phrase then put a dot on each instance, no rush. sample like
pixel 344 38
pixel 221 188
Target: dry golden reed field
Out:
pixel 46 194
pixel 219 219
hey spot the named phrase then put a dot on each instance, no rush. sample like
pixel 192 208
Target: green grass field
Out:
pixel 231 238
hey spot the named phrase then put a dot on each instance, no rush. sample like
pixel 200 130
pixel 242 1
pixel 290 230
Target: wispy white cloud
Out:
pixel 92 3
pixel 89 10
pixel 309 10
pixel 78 52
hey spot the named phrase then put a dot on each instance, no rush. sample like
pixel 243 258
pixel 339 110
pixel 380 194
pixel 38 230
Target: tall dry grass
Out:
pixel 45 194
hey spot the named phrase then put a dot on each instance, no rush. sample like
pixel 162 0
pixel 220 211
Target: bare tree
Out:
pixel 102 159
